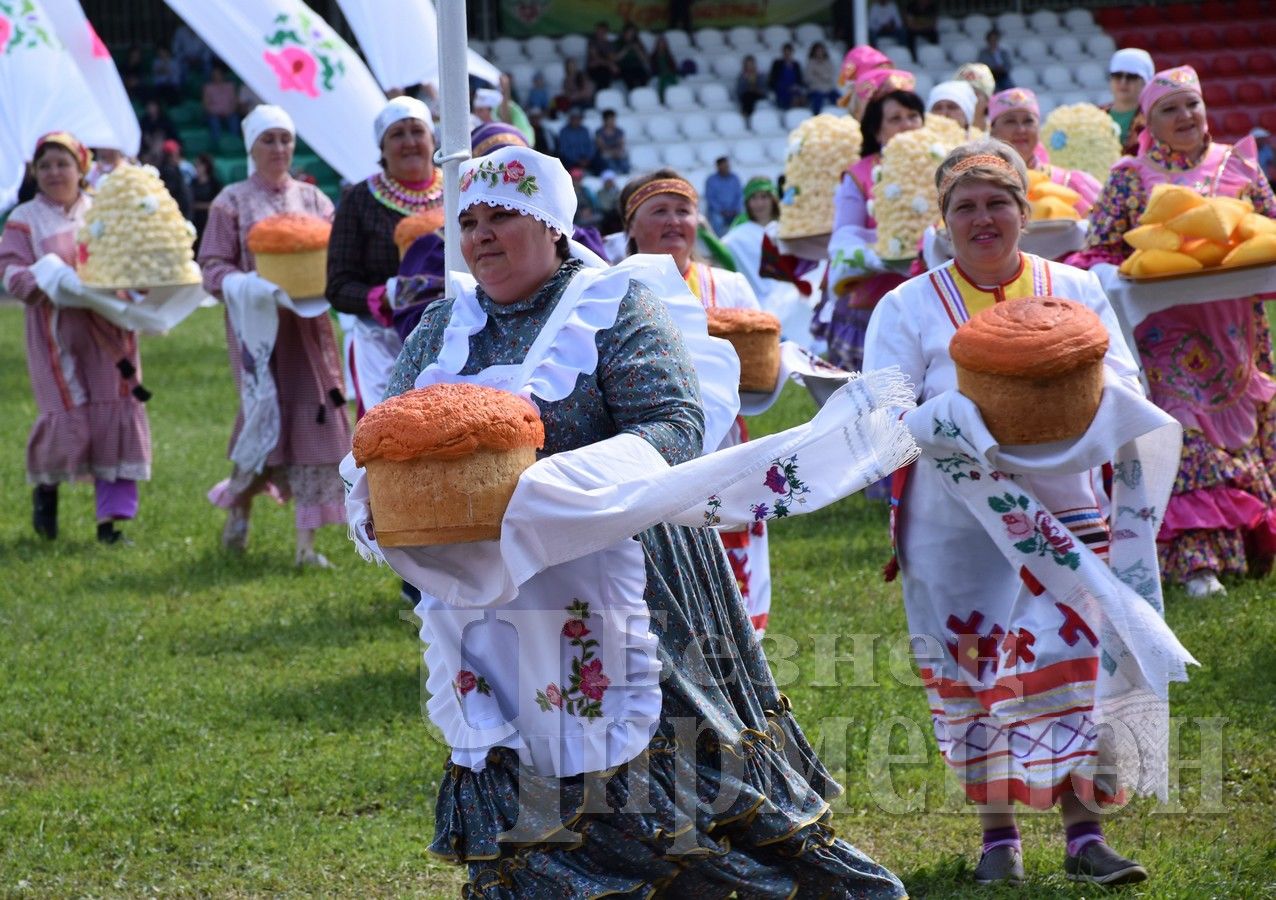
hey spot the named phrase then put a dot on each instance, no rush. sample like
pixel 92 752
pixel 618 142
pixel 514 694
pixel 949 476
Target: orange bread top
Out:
pixel 414 226
pixel 289 233
pixel 447 421
pixel 1034 337
pixel 723 320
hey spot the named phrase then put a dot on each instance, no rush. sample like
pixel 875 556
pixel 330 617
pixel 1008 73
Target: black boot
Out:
pixel 44 510
pixel 108 534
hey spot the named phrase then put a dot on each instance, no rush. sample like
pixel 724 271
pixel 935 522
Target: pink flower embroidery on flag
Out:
pixel 6 31
pixel 296 70
pixel 99 48
pixel 592 680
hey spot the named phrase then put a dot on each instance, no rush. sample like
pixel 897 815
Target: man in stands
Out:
pixel 723 196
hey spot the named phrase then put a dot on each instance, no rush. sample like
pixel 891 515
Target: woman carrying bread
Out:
pixel 661 213
pixel 1003 572
pixel 363 259
pixel 608 818
pixel 311 433
pixel 856 276
pixel 1208 364
pixel 1015 117
pixel 84 371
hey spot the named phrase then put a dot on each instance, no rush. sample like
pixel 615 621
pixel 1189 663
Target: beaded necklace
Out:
pixel 393 194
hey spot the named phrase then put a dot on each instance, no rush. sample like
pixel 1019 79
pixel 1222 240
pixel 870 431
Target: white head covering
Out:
pixel 263 118
pixel 489 97
pixel 397 109
pixel 523 180
pixel 959 92
pixel 1133 61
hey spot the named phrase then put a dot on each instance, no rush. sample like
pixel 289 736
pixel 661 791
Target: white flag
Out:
pixel 98 69
pixel 402 48
pixel 291 57
pixel 41 90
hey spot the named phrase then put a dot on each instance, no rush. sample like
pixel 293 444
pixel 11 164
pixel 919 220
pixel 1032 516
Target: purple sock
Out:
pixel 1082 833
pixel 1002 837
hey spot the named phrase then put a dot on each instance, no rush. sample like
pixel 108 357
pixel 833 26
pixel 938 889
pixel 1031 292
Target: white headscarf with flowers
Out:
pixel 520 179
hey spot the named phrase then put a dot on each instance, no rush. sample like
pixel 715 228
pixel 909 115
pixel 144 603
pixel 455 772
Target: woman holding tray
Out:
pixel 1208 364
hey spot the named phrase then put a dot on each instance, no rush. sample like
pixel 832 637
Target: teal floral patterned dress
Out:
pixel 728 799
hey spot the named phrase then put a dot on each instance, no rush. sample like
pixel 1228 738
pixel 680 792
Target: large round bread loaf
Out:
pixel 443 462
pixel 1034 367
pixel 291 252
pixel 755 335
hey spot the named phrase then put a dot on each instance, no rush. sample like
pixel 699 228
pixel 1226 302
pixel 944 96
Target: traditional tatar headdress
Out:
pixel 520 179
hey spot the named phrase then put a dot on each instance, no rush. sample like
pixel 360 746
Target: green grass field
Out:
pixel 175 721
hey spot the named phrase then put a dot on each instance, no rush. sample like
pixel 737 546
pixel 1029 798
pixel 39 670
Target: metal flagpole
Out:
pixel 454 127
pixel 861 21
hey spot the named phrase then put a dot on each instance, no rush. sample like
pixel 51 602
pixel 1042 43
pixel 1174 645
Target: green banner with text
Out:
pixel 522 18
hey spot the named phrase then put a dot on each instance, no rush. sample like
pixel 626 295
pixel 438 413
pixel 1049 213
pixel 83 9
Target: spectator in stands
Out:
pixel 664 66
pixel 980 78
pixel 133 74
pixel 885 21
pixel 578 88
pixel 537 94
pixel 542 139
pixel 204 188
pixel 607 198
pixel 587 215
pixel 191 52
pixel 749 86
pixel 600 58
pixel 632 58
pixel 156 126
pixel 680 14
pixel 785 79
pixel 1129 70
pixel 821 77
pixel 610 151
pixel 220 105
pixel 166 77
pixel 723 196
pixel 997 60
pixel 105 161
pixel 956 100
pixel 575 146
pixel 492 105
pixel 921 20
pixel 170 172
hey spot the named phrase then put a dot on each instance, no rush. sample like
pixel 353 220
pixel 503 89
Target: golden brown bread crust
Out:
pixel 414 226
pixel 447 421
pixel 1034 337
pixel 289 233
pixel 723 321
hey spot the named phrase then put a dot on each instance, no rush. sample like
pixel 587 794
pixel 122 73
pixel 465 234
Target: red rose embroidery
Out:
pixel 467 179
pixel 1058 539
pixel 514 172
pixel 574 628
pixel 465 681
pixel 554 695
pixel 1017 524
pixel 592 680
pixel 776 481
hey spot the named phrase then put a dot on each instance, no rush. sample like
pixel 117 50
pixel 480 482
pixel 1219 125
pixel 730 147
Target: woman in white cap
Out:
pixel 362 256
pixel 609 355
pixel 1129 72
pixel 955 100
pixel 313 432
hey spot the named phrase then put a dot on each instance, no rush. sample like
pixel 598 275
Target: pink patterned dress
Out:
pixel 89 424
pixel 306 364
pixel 1209 365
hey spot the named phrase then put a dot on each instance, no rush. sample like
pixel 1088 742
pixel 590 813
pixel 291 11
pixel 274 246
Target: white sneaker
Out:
pixel 1205 585
pixel 310 559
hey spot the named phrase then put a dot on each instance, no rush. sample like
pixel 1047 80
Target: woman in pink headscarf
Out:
pixel 856 65
pixel 1015 117
pixel 1208 364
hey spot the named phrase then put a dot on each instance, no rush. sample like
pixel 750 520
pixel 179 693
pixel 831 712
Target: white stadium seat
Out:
pixel 899 54
pixel 573 45
pixel 776 36
pixel 1011 24
pixel 1091 75
pixel 796 116
pixel 1026 77
pixel 680 97
pixel 678 156
pixel 710 41
pixel 728 67
pixel 932 56
pixel 644 99
pixel 777 149
pixel 976 26
pixel 714 95
pixel 709 151
pixel 1056 77
pixel 744 39
pixel 644 158
pixel 679 42
pixel 1100 46
pixel 663 129
pixel 730 125
pixel 541 49
pixel 924 83
pixel 1078 19
pixel 506 52
pixel 749 153
pixel 808 33
pixel 1046 102
pixel 947 25
pixel 610 98
pixel 1032 50
pixel 1067 48
pixel 1044 21
pixel 766 122
pixel 961 52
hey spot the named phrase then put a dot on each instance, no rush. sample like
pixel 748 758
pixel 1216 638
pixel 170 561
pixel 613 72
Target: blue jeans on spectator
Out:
pixel 720 221
pixel 218 124
pixel 819 98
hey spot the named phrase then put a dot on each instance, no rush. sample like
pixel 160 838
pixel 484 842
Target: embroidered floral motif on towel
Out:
pixel 512 172
pixel 1037 533
pixel 583 695
pixel 466 681
pixel 781 478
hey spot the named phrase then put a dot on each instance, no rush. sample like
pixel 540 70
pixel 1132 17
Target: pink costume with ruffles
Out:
pixel 89 423
pixel 305 362
pixel 1209 365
